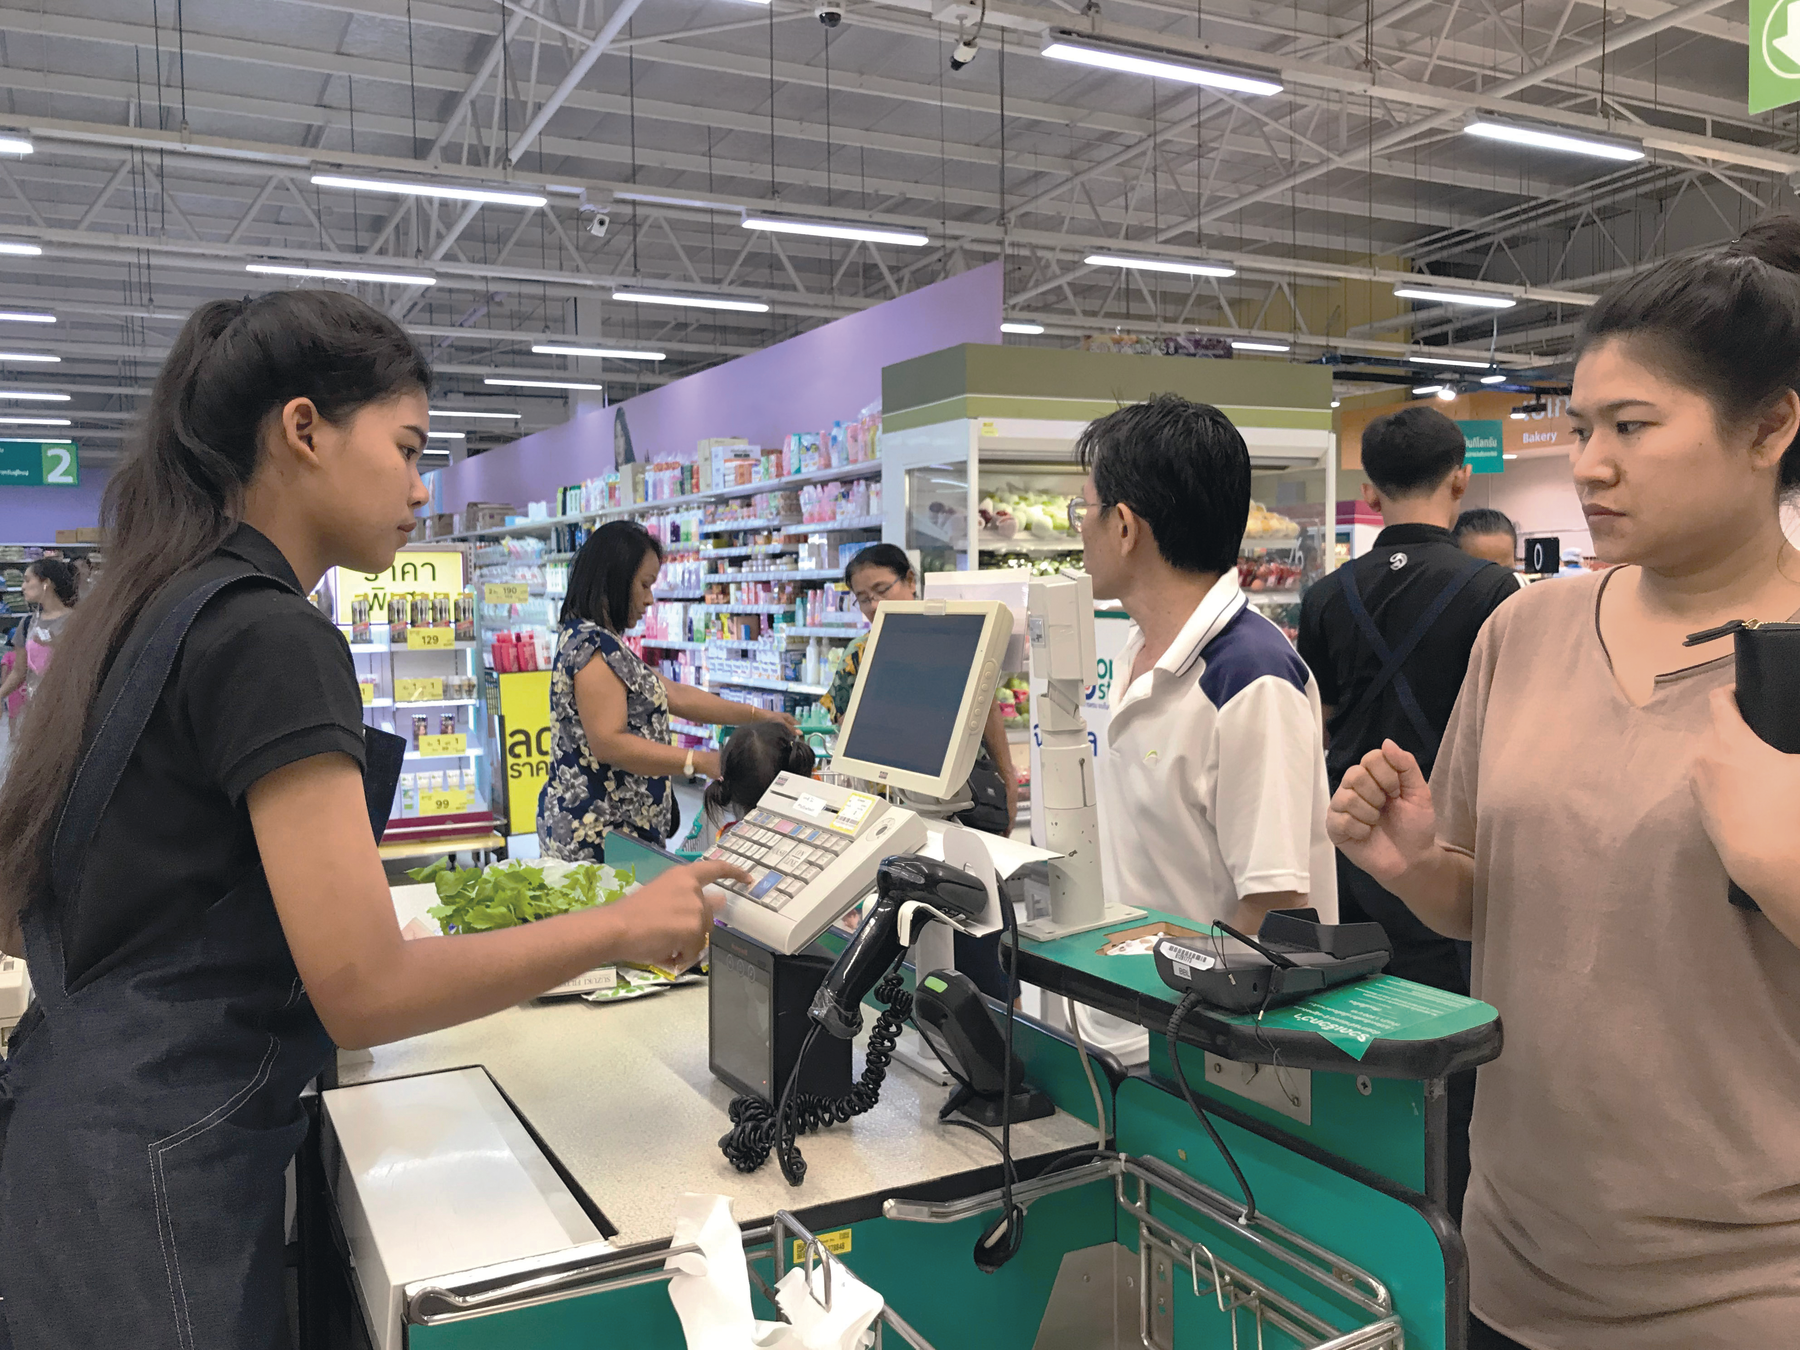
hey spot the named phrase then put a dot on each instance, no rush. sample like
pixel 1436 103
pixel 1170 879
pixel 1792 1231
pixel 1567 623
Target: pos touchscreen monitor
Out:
pixel 928 673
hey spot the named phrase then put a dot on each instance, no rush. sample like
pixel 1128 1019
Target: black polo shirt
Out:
pixel 1398 578
pixel 262 680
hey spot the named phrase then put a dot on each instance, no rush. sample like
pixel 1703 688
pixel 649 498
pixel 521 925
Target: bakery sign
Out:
pixel 1530 434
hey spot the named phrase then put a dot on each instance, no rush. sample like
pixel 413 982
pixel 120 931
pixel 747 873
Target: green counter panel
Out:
pixel 1385 1236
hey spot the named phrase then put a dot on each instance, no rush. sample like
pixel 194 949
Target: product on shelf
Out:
pixel 1013 511
pixel 1266 525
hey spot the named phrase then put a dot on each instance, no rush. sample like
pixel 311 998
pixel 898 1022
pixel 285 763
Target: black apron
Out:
pixel 147 1120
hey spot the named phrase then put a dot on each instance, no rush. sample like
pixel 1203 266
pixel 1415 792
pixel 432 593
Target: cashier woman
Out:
pixel 187 858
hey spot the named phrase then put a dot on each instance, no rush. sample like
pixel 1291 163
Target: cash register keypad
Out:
pixel 780 855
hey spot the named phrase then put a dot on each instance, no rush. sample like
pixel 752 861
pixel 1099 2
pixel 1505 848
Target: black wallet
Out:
pixel 1768 691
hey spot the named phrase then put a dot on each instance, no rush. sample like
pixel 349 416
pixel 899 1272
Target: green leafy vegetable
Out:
pixel 479 900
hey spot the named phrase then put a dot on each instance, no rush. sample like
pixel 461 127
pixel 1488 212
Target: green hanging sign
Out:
pixel 1482 450
pixel 39 464
pixel 1774 49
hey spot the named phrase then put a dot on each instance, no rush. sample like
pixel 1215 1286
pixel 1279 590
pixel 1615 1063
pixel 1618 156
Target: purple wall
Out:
pixel 804 384
pixel 33 515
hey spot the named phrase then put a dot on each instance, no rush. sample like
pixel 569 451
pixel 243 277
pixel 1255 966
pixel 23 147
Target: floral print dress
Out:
pixel 583 798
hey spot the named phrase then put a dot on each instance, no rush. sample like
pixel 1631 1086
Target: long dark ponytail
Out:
pixel 174 499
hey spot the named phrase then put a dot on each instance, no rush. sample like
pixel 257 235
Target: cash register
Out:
pixel 811 850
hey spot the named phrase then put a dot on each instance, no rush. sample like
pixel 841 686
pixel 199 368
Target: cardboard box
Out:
pixel 486 516
pixel 436 527
pixel 88 535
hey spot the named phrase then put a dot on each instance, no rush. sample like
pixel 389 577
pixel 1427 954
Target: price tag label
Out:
pixel 368 691
pixel 444 745
pixel 446 803
pixel 430 639
pixel 506 592
pixel 417 691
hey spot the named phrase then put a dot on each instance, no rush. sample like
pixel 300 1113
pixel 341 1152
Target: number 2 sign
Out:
pixel 39 464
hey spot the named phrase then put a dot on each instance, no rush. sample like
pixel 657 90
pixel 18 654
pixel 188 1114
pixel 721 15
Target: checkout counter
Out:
pixel 512 1182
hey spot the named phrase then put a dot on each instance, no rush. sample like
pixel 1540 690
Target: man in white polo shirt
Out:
pixel 1212 788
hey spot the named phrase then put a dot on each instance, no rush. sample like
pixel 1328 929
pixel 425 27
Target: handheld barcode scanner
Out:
pixel 878 943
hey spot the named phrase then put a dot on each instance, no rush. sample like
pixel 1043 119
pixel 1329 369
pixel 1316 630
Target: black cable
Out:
pixel 987 1134
pixel 1185 1007
pixel 756 1128
pixel 1003 1238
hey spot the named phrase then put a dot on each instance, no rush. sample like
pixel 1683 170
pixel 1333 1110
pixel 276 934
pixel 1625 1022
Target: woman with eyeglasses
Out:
pixel 884 572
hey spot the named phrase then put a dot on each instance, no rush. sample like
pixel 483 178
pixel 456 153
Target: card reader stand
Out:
pixel 757 1020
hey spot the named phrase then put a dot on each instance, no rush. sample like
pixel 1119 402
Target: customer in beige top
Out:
pixel 1636 1147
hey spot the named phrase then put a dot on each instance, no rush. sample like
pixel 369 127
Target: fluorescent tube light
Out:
pixel 30 356
pixel 1542 139
pixel 1064 44
pixel 405 189
pixel 448 435
pixel 20 250
pixel 1509 457
pixel 25 316
pixel 691 301
pixel 693 203
pixel 465 412
pixel 1425 389
pixel 35 440
pixel 1516 416
pixel 1480 301
pixel 606 353
pixel 1450 361
pixel 1022 329
pixel 34 395
pixel 343 274
pixel 1237 346
pixel 1186 269
pixel 34 422
pixel 826 229
pixel 15 145
pixel 542 384
pixel 1493 379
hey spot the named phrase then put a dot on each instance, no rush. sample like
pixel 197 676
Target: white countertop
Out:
pixel 620 1093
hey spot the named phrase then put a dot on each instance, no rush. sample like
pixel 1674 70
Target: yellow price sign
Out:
pixel 506 592
pixel 838 1244
pixel 368 691
pixel 418 691
pixel 430 639
pixel 456 744
pixel 446 803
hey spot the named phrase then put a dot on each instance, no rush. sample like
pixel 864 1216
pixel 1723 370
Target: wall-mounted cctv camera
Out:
pixel 829 12
pixel 597 225
pixel 963 53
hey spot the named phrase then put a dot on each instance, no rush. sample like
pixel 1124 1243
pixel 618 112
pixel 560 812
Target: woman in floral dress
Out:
pixel 612 763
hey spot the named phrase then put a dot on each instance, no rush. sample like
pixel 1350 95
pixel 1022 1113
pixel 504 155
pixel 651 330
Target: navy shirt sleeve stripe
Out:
pixel 1247 649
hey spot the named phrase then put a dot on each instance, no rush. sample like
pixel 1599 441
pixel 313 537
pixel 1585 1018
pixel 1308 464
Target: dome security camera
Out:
pixel 829 12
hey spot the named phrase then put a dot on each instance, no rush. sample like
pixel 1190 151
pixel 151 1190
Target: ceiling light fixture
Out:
pixel 1238 346
pixel 405 189
pixel 342 274
pixel 20 250
pixel 826 229
pixel 1493 379
pixel 1187 269
pixel 1509 456
pixel 448 435
pixel 35 440
pixel 691 301
pixel 1447 394
pixel 1334 402
pixel 15 145
pixel 34 422
pixel 1451 361
pixel 1516 415
pixel 1065 44
pixel 1022 329
pixel 1475 298
pixel 25 316
pixel 466 412
pixel 30 356
pixel 1423 389
pixel 605 353
pixel 1541 138
pixel 542 384
pixel 34 395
